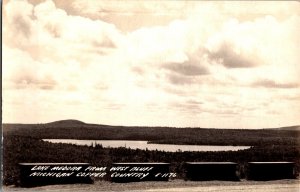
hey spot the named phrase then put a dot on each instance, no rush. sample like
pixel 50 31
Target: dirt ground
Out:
pixel 171 186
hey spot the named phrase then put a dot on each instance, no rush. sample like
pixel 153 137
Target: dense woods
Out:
pixel 71 129
pixel 22 143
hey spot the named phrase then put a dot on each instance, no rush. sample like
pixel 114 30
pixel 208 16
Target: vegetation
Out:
pixel 71 129
pixel 22 143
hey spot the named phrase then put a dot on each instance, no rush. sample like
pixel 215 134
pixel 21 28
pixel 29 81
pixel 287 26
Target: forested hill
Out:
pixel 74 129
pixel 290 128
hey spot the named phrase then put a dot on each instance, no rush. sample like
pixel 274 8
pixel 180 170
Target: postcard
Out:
pixel 150 96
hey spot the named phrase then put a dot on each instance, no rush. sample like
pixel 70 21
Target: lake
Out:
pixel 150 146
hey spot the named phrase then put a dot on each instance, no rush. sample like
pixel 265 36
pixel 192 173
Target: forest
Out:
pixel 22 143
pixel 73 129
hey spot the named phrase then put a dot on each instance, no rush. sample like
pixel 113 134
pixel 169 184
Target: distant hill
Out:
pixel 68 122
pixel 290 128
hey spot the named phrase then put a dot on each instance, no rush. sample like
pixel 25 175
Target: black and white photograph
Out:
pixel 150 96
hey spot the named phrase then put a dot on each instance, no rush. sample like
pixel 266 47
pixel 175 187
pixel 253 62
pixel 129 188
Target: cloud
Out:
pixel 187 68
pixel 40 82
pixel 126 16
pixel 114 62
pixel 178 91
pixel 45 48
pixel 22 25
pixel 240 44
pixel 47 32
pixel 189 108
pixel 227 56
pixel 138 70
pixel 180 80
pixel 17 20
pixel 25 73
pixel 267 83
pixel 194 102
pixel 114 106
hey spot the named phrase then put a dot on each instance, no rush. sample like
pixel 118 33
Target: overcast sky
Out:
pixel 167 63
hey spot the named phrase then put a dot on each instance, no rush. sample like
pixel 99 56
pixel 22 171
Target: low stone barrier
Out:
pixel 270 170
pixel 37 174
pixel 204 171
pixel 136 172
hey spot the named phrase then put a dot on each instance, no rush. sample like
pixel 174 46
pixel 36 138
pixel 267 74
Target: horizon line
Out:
pixel 159 126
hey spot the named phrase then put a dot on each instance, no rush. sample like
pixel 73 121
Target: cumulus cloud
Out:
pixel 231 58
pixel 189 62
pixel 18 15
pixel 22 72
pixel 46 27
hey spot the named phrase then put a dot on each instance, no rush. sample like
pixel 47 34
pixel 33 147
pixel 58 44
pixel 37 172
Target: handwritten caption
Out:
pixel 137 172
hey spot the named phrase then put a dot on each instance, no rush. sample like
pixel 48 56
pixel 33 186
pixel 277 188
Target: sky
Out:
pixel 217 64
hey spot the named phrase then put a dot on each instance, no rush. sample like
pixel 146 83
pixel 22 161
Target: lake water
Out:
pixel 150 146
